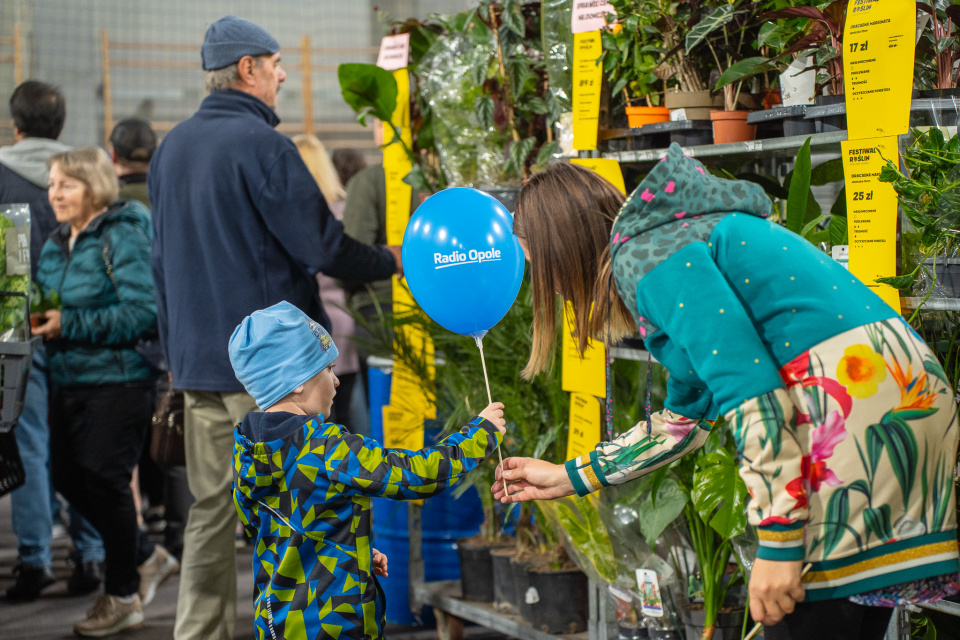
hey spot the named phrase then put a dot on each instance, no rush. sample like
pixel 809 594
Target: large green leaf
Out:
pixel 838 230
pixel 719 493
pixel 369 90
pixel 512 17
pixel 827 172
pixel 746 68
pixel 483 108
pixel 799 189
pixel 716 20
pixel 658 510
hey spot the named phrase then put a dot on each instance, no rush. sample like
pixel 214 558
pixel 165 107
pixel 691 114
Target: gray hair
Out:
pixel 227 77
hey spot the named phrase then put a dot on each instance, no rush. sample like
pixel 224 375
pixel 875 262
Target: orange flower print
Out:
pixel 861 370
pixel 913 391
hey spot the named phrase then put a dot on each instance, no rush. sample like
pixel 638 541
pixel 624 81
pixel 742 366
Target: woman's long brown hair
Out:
pixel 564 215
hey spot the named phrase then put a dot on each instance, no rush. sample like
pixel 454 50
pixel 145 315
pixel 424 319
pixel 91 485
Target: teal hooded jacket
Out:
pixel 103 315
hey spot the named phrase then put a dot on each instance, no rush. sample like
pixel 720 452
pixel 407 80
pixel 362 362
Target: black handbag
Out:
pixel 166 440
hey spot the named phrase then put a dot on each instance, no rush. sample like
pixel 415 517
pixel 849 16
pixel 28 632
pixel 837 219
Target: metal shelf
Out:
pixel 771 147
pixel 446 596
pixel 944 606
pixel 932 304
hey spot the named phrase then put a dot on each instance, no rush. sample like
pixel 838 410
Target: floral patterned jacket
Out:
pixel 845 424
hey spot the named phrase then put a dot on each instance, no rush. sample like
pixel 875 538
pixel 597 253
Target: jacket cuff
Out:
pixel 781 542
pixel 585 474
pixel 489 427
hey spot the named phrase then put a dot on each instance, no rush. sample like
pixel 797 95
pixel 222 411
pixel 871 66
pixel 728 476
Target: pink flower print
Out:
pixel 624 238
pixel 643 332
pixel 646 196
pixel 700 169
pixel 685 224
pixel 679 430
pixel 776 520
pixel 670 186
pixel 697 217
pixel 679 215
pixel 826 437
pixel 616 238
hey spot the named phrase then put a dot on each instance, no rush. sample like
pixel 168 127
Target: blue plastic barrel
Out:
pixel 444 520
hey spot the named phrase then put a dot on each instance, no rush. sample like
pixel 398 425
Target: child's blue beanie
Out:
pixel 230 38
pixel 275 350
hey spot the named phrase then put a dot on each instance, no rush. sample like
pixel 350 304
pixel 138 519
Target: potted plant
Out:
pixel 725 32
pixel 631 50
pixel 935 67
pixel 40 303
pixel 820 39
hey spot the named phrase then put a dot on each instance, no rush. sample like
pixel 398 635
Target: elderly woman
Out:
pixel 98 260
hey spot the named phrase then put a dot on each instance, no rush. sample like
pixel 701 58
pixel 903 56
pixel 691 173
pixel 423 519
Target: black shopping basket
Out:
pixel 15 359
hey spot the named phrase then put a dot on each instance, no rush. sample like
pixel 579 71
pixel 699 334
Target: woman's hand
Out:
pixel 530 479
pixel 775 589
pixel 379 563
pixel 52 327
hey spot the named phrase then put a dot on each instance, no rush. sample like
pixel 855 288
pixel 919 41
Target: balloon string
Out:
pixel 486 380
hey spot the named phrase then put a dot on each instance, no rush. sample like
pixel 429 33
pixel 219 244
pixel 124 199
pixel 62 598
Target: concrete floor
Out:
pixel 52 616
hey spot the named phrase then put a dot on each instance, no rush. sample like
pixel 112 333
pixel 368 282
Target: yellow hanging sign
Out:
pixel 587 81
pixel 409 391
pixel 878 50
pixel 871 214
pixel 396 162
pixel 584 425
pixel 582 375
pixel 606 168
pixel 402 429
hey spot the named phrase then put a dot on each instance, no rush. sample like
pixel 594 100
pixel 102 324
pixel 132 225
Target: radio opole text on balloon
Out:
pixel 459 257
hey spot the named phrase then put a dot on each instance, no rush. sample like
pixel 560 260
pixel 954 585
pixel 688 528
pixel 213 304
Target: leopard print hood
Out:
pixel 679 202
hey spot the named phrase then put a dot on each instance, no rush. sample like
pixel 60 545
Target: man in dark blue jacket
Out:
pixel 239 225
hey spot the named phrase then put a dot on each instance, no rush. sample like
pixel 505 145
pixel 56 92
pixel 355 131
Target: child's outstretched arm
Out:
pixel 359 465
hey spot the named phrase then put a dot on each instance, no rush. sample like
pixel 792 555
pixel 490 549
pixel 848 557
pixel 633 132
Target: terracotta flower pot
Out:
pixel 731 126
pixel 639 116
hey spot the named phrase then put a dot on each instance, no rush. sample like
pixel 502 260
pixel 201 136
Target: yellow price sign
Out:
pixel 872 214
pixel 584 425
pixel 878 50
pixel 587 82
pixel 606 168
pixel 409 389
pixel 402 429
pixel 582 375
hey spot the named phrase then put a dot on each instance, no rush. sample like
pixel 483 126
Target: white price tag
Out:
pixel 649 588
pixel 394 52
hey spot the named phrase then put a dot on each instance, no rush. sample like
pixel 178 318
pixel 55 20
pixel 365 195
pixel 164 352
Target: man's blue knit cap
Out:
pixel 275 350
pixel 230 38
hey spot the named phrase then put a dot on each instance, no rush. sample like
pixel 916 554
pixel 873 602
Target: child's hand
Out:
pixel 379 563
pixel 494 413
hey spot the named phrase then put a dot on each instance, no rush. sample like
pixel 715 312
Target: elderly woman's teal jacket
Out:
pixel 107 292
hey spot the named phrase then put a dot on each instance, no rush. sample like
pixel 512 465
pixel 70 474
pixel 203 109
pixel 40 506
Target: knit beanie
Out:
pixel 275 350
pixel 230 38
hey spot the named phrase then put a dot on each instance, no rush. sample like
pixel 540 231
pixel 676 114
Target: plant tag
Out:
pixel 650 593
pixel 841 254
pixel 532 596
pixel 18 251
pixel 677 115
pixel 394 52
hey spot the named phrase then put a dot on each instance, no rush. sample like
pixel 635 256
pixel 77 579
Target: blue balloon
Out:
pixel 461 260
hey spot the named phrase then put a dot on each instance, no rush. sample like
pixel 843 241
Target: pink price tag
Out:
pixel 394 52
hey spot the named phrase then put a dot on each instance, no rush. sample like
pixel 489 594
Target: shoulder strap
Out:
pixel 108 264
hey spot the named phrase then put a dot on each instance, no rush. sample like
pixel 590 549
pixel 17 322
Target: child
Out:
pixel 302 486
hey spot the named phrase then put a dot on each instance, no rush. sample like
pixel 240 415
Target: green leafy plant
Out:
pixel 13 318
pixel 727 33
pixel 929 197
pixel 632 48
pixel 820 37
pixel 938 53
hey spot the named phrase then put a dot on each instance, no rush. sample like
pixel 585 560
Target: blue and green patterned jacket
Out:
pixel 102 317
pixel 302 488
